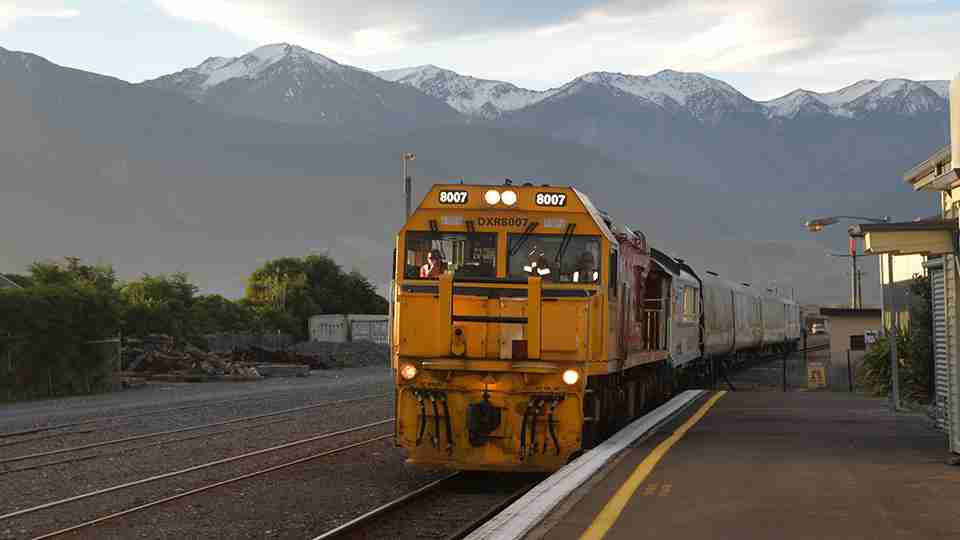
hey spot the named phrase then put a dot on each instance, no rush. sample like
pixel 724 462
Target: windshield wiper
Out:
pixel 567 235
pixel 523 238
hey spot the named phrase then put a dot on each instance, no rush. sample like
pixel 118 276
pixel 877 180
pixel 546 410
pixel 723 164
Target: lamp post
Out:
pixel 818 224
pixel 407 181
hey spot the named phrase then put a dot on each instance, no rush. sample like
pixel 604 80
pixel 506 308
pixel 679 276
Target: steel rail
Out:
pixel 383 509
pixel 45 437
pixel 40 429
pixel 195 468
pixel 208 487
pixel 174 431
pixel 141 447
pixel 462 533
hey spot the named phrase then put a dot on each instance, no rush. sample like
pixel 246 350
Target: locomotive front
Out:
pixel 498 317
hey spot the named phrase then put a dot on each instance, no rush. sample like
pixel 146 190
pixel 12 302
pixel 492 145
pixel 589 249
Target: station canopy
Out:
pixel 930 237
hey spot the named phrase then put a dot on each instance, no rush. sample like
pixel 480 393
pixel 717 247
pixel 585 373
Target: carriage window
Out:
pixel 614 266
pixel 544 255
pixel 429 255
pixel 689 304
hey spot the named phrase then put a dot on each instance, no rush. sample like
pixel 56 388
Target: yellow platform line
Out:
pixel 614 507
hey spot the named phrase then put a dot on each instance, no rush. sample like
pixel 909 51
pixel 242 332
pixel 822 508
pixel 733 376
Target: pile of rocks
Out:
pixel 349 354
pixel 193 362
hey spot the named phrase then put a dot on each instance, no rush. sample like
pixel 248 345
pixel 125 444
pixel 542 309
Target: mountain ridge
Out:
pixel 706 98
pixel 154 180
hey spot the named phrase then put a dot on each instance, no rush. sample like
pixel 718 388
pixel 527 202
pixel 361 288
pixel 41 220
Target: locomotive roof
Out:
pixel 582 205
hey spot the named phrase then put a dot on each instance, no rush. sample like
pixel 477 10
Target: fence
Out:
pixel 22 377
pixel 835 370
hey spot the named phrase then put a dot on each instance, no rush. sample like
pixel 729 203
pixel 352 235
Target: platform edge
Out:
pixel 518 519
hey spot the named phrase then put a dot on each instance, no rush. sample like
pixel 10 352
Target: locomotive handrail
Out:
pixel 488 319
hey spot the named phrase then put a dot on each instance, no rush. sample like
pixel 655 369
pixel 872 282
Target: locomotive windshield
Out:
pixel 545 255
pixel 431 254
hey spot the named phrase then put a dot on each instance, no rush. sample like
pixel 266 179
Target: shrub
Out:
pixel 53 325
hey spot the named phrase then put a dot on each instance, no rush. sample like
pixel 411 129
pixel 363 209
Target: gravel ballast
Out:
pixel 289 503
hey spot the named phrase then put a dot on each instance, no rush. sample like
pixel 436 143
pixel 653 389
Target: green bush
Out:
pixel 48 328
pixel 914 352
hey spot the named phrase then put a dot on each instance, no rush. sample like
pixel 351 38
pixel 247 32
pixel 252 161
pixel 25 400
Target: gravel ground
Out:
pixel 331 384
pixel 298 503
pixel 280 502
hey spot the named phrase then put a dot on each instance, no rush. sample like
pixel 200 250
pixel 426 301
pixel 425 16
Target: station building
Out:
pixel 936 241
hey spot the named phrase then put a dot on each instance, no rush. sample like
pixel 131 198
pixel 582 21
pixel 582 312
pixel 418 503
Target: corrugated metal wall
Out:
pixel 940 357
pixel 951 310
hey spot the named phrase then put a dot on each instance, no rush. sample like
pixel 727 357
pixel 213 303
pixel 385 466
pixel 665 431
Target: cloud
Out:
pixel 768 47
pixel 726 30
pixel 13 10
pixel 369 27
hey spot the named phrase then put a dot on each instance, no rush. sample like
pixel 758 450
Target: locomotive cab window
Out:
pixel 429 255
pixel 548 256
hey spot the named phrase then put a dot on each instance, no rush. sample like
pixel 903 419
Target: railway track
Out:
pixel 195 490
pixel 110 420
pixel 5 467
pixel 449 508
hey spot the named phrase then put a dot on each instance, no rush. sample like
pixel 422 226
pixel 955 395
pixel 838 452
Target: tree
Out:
pixel 159 305
pixel 67 306
pixel 213 314
pixel 307 286
pixel 73 272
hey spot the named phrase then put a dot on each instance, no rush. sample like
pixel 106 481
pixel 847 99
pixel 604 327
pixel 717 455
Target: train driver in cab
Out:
pixel 435 265
pixel 537 264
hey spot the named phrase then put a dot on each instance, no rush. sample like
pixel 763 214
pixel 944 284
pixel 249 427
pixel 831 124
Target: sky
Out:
pixel 765 48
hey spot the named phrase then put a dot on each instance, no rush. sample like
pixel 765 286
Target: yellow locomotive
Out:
pixel 525 327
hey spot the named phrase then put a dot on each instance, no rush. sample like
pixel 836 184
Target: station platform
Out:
pixel 752 465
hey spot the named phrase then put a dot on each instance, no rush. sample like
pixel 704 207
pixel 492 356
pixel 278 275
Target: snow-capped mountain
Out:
pixel 469 95
pixel 81 144
pixel 705 98
pixel 897 96
pixel 287 83
pixel 260 63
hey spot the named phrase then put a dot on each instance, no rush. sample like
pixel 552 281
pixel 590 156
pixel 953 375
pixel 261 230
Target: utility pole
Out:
pixel 892 341
pixel 860 289
pixel 853 274
pixel 407 199
pixel 407 181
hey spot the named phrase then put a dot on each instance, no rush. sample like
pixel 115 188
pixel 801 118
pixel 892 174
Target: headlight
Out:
pixel 408 371
pixel 571 376
pixel 492 197
pixel 509 198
